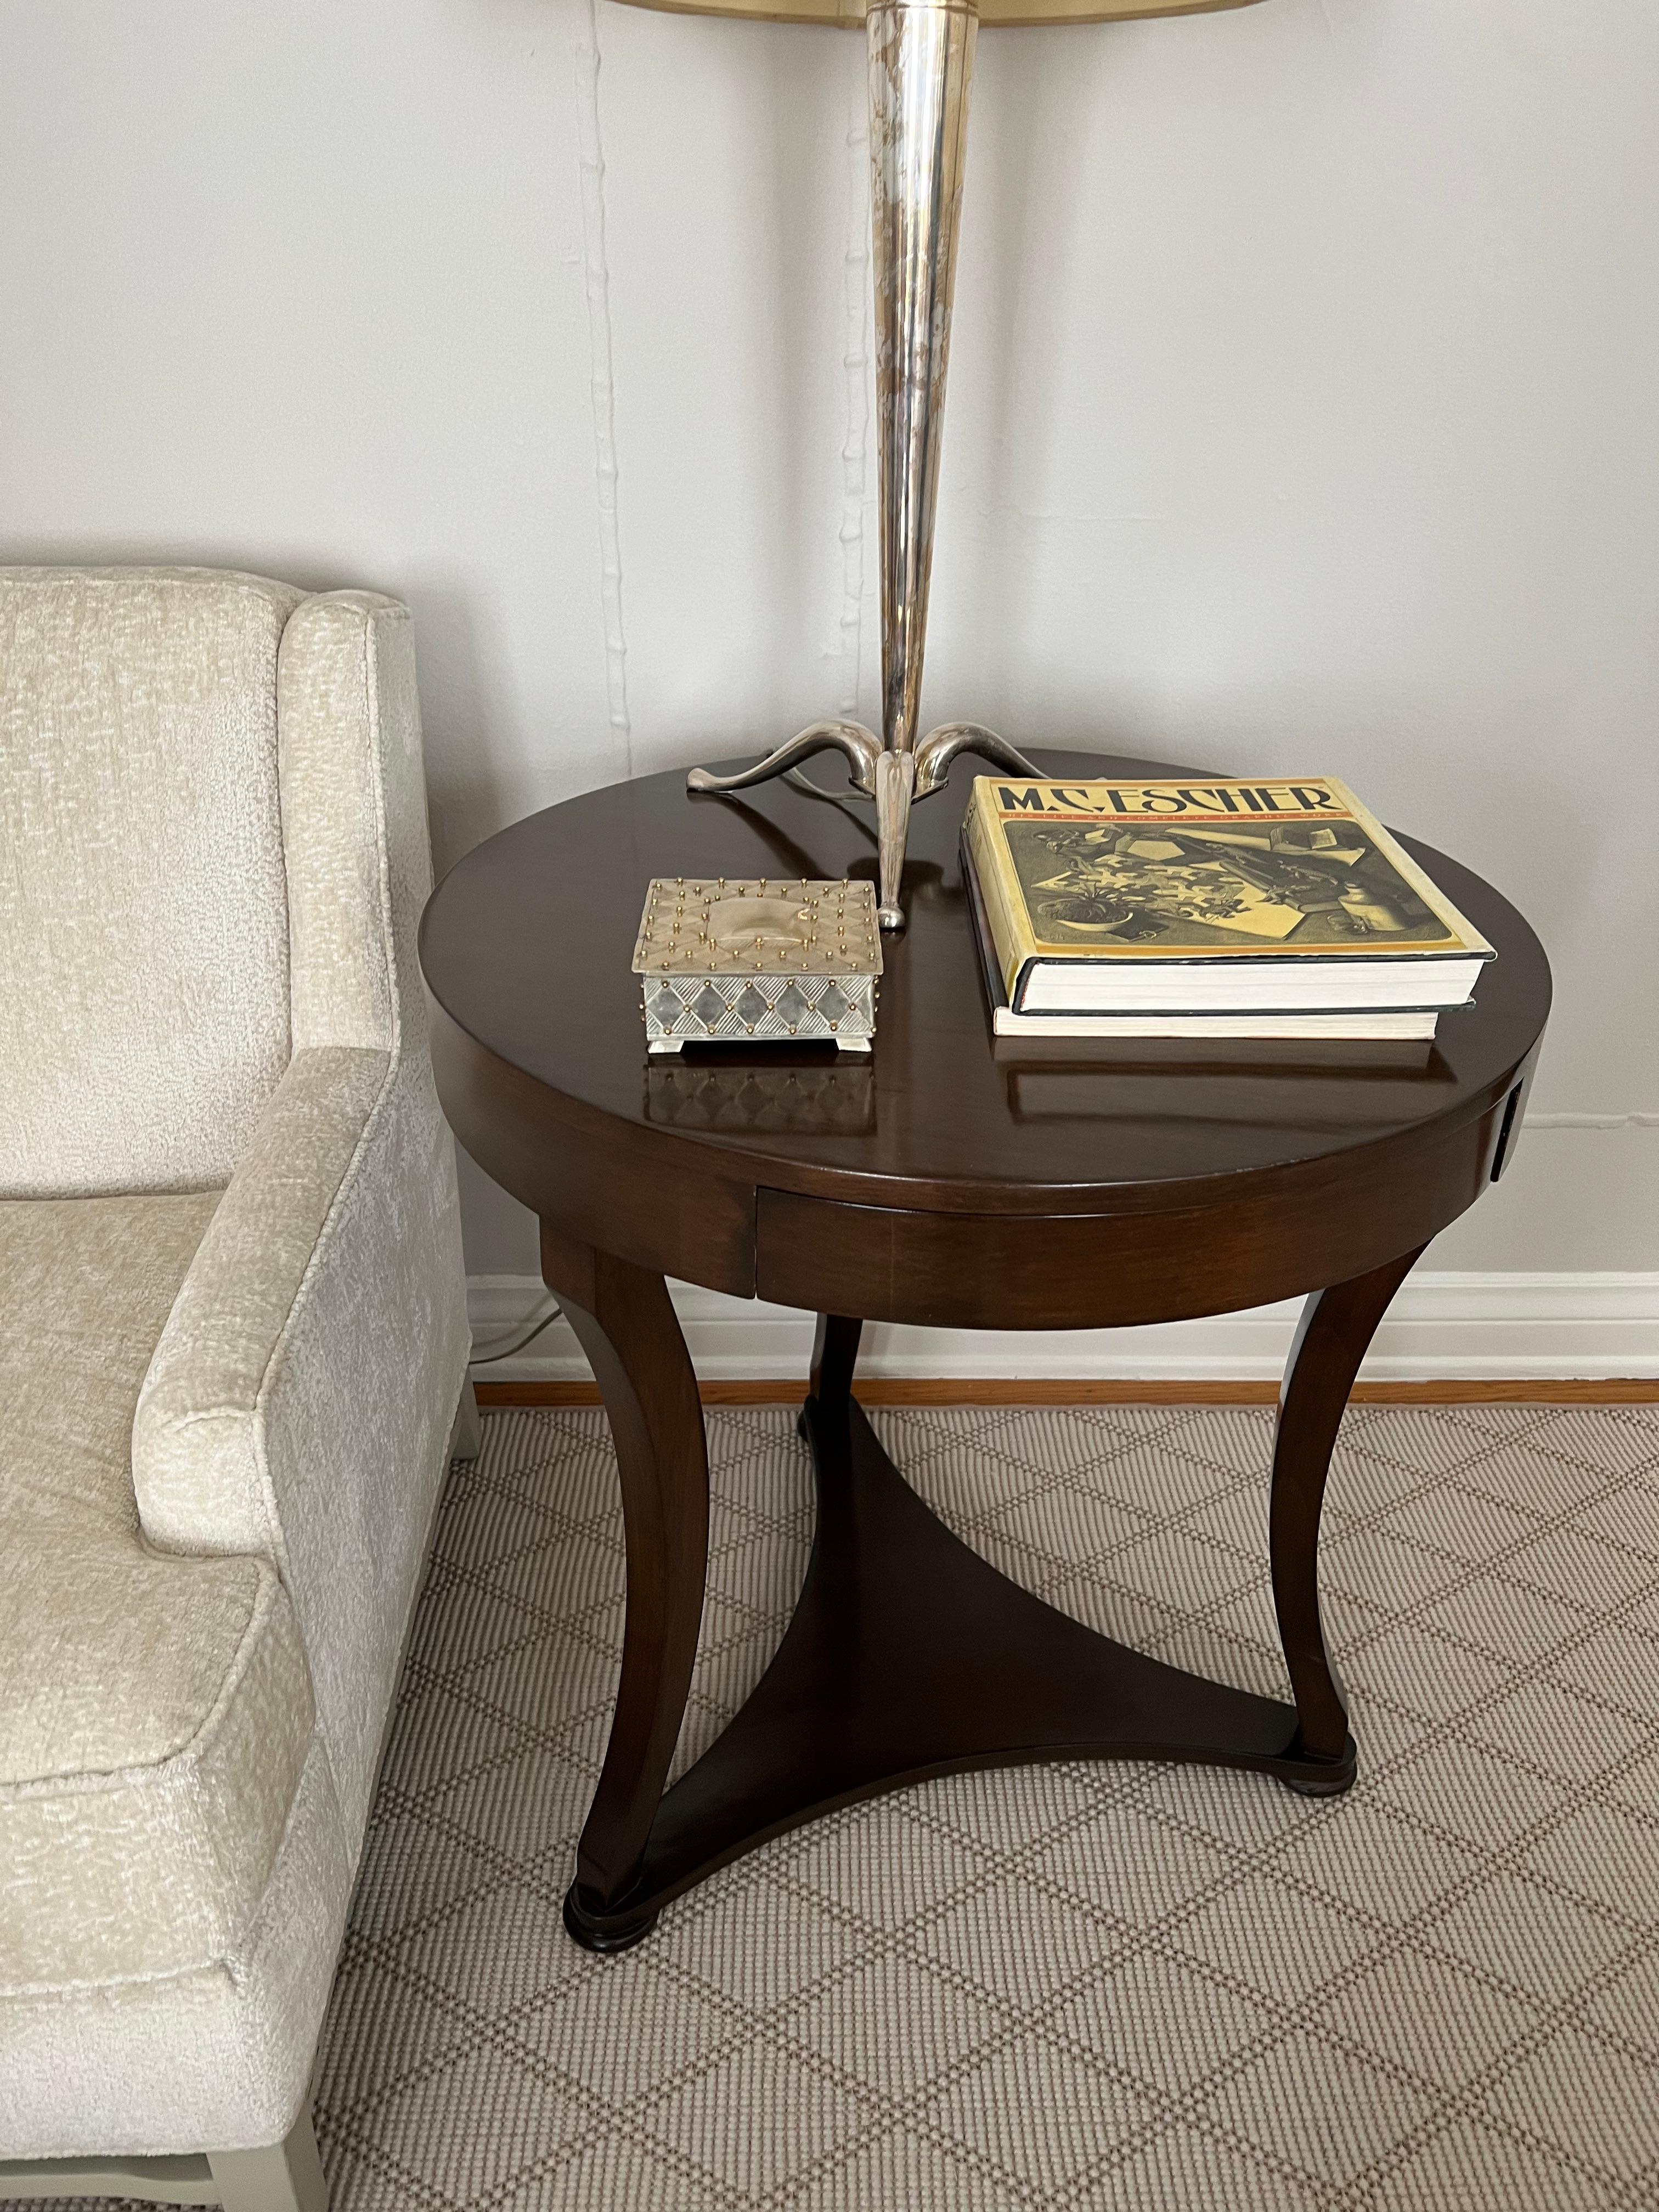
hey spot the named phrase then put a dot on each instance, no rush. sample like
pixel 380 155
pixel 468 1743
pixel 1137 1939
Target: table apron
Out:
pixel 676 1207
pixel 1099 1271
pixel 662 1206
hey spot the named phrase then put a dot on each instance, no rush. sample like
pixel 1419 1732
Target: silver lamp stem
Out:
pixel 921 64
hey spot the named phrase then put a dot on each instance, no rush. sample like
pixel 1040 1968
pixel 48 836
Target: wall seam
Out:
pixel 597 273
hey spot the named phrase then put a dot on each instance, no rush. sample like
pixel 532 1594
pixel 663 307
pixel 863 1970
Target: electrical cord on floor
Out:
pixel 547 1321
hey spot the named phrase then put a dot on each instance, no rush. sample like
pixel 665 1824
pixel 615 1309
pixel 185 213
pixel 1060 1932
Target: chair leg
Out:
pixel 285 2177
pixel 466 1438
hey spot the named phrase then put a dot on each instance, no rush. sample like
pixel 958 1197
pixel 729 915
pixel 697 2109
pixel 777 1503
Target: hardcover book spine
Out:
pixel 996 997
pixel 1012 956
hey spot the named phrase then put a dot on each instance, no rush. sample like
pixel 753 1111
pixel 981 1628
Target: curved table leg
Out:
pixel 1337 1326
pixel 909 1656
pixel 834 1355
pixel 625 1323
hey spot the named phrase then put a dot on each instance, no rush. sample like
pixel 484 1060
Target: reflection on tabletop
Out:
pixel 810 1094
pixel 1339 1085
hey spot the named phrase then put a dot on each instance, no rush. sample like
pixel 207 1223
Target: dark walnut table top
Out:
pixel 682 1162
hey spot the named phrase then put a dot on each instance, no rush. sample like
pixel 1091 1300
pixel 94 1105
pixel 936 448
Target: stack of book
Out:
pixel 1191 908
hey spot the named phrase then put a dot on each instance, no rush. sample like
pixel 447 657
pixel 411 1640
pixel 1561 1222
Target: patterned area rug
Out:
pixel 1170 1988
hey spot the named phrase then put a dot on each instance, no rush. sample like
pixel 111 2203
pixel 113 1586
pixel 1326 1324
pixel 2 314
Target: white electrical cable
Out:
pixel 489 1357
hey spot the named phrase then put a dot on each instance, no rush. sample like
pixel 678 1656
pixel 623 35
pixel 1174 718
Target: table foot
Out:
pixel 604 1931
pixel 1337 1775
pixel 909 1657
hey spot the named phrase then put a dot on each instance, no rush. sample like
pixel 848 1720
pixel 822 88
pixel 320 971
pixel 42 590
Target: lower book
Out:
pixel 1412 1023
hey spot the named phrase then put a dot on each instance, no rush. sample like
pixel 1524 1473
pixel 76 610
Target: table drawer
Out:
pixel 1098 1271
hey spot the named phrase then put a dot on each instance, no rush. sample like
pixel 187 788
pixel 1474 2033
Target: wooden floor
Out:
pixel 925 1390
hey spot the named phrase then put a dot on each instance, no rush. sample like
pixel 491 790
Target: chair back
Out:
pixel 144 937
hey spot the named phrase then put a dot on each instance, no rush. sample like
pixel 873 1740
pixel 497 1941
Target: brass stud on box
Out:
pixel 758 969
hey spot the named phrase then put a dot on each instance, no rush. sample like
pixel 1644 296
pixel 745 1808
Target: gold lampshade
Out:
pixel 1031 13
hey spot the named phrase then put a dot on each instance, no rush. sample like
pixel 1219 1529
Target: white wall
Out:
pixel 1305 413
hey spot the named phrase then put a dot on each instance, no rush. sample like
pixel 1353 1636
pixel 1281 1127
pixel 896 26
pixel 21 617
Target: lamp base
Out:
pixel 894 780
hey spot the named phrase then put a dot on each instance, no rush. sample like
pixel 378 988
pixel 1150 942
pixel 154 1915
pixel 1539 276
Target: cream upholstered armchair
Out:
pixel 232 1349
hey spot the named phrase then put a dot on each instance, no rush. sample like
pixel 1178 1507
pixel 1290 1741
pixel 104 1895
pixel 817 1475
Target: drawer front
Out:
pixel 1100 1271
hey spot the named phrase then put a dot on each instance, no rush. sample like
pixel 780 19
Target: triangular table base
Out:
pixel 909 1657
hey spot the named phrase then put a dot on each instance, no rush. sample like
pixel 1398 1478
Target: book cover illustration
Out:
pixel 1203 869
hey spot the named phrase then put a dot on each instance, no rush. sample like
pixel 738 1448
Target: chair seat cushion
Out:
pixel 155 1712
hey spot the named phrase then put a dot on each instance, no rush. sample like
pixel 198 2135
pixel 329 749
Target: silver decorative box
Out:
pixel 758 962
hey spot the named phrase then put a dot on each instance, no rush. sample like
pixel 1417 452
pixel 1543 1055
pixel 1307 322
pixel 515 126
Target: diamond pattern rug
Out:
pixel 1165 1988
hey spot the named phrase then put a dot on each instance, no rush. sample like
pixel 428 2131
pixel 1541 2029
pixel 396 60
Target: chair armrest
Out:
pixel 300 1401
pixel 200 1462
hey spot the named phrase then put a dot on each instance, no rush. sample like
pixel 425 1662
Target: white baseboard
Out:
pixel 1475 1328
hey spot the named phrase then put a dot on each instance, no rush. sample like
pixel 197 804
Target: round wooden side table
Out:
pixel 948 1181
